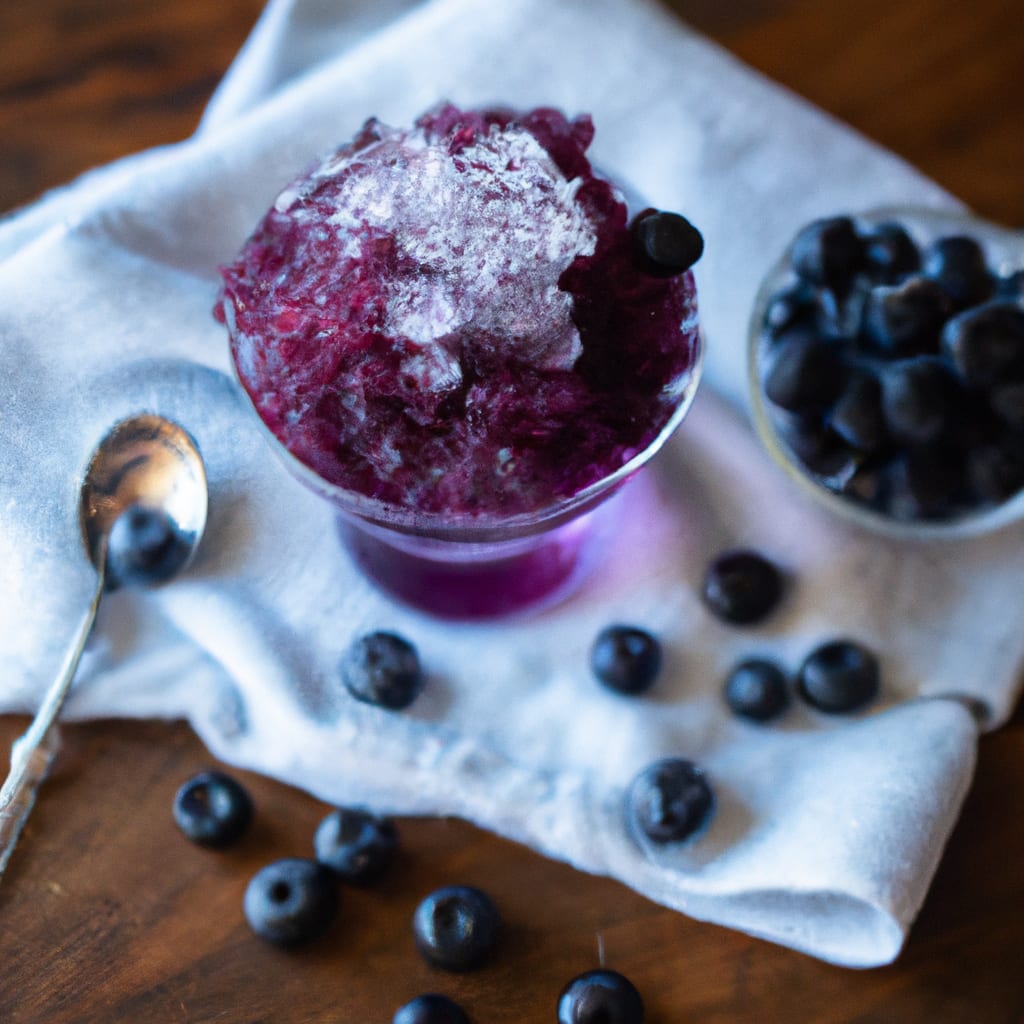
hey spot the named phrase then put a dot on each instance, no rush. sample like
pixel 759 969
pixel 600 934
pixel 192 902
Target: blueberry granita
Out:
pixel 892 367
pixel 456 318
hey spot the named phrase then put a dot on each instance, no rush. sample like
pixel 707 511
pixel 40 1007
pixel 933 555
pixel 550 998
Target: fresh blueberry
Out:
pixel 905 319
pixel 669 800
pixel 918 398
pixel 667 243
pixel 742 587
pixel 957 263
pixel 818 447
pixel 626 659
pixel 291 901
pixel 144 548
pixel 802 372
pixel 828 253
pixel 996 470
pixel 1007 401
pixel 890 253
pixel 356 845
pixel 212 809
pixel 431 1008
pixel 986 344
pixel 756 689
pixel 383 669
pixel 928 482
pixel 857 417
pixel 1011 286
pixel 839 677
pixel 456 928
pixel 797 304
pixel 600 997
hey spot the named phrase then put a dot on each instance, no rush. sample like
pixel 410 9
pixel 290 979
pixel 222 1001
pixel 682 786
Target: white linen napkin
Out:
pixel 828 830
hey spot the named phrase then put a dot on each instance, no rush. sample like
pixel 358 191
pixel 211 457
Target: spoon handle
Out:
pixel 33 753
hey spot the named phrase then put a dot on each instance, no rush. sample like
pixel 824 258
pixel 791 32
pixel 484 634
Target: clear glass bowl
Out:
pixel 488 565
pixel 1005 252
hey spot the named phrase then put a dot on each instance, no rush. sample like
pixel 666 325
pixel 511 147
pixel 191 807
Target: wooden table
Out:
pixel 108 915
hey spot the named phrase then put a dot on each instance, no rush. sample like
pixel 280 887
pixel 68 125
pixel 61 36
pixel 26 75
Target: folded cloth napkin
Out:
pixel 827 830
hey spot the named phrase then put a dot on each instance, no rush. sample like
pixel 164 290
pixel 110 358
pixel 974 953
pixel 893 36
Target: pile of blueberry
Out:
pixel 895 372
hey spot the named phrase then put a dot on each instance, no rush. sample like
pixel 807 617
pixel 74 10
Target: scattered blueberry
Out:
pixel 431 1008
pixel 890 253
pixel 667 243
pixel 906 318
pixel 828 253
pixel 839 677
pixel 600 997
pixel 356 845
pixel 383 669
pixel 756 689
pixel 857 417
pixel 742 587
pixel 291 901
pixel 626 659
pixel 669 800
pixel 918 398
pixel 802 371
pixel 144 548
pixel 986 344
pixel 456 928
pixel 957 263
pixel 212 809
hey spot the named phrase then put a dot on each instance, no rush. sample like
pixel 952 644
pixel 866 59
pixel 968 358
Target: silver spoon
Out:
pixel 142 511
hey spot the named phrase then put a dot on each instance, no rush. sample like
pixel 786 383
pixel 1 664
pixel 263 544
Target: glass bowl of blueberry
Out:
pixel 886 370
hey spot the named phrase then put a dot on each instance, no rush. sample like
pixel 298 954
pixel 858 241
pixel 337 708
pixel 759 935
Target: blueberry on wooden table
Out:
pixel 839 677
pixel 431 1008
pixel 456 928
pixel 291 901
pixel 626 659
pixel 666 243
pixel 600 997
pixel 213 809
pixel 757 689
pixel 742 587
pixel 669 800
pixel 356 845
pixel 384 669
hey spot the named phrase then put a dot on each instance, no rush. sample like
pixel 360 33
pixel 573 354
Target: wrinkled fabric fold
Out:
pixel 828 830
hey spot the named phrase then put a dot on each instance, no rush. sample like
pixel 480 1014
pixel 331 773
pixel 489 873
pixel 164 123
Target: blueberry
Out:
pixel 1007 401
pixel 839 677
pixel 1011 287
pixel 431 1008
pixel 905 319
pixel 456 928
pixel 828 253
pixel 957 263
pixel 383 669
pixel 626 659
pixel 212 809
pixel 667 243
pixel 926 483
pixel 600 997
pixel 890 253
pixel 996 470
pixel 144 548
pixel 356 845
pixel 802 371
pixel 669 800
pixel 756 689
pixel 742 587
pixel 291 901
pixel 797 304
pixel 918 398
pixel 987 344
pixel 818 447
pixel 857 416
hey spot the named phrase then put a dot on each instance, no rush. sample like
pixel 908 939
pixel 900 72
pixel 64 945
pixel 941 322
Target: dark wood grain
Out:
pixel 109 915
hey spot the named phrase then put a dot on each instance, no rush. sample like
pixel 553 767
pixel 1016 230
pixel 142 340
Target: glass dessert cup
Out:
pixel 1005 251
pixel 463 567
